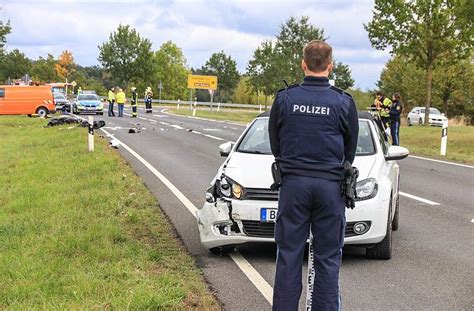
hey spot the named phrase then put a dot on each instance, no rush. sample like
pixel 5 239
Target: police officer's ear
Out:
pixel 303 65
pixel 330 66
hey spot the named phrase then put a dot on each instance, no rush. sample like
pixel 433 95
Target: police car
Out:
pixel 88 102
pixel 241 208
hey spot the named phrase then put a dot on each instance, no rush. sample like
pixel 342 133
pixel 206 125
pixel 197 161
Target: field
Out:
pixel 80 230
pixel 423 141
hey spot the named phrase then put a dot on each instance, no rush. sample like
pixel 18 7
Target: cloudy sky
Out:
pixel 198 27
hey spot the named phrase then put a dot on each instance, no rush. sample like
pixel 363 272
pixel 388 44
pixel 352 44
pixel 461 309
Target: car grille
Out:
pixel 261 194
pixel 259 229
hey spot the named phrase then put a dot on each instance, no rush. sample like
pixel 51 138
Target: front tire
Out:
pixel 409 122
pixel 42 112
pixel 383 250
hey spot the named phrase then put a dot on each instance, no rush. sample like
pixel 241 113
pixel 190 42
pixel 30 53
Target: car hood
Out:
pixel 437 116
pixel 254 170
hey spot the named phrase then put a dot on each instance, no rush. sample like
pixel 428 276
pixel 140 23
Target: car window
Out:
pixel 59 96
pixel 365 142
pixel 256 140
pixel 2 93
pixel 434 111
pixel 87 97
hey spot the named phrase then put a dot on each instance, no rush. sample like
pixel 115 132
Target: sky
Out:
pixel 200 28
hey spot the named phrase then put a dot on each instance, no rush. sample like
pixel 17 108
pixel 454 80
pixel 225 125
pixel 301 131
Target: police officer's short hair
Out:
pixel 317 55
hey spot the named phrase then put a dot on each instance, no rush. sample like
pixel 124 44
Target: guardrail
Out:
pixel 217 105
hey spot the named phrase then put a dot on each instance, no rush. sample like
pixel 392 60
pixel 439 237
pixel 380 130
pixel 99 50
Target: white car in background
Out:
pixel 241 208
pixel 417 116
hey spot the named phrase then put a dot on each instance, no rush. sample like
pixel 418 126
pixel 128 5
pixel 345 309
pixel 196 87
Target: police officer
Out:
pixel 313 129
pixel 134 102
pixel 111 98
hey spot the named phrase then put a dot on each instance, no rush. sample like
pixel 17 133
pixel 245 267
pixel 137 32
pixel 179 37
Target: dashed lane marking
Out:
pixel 414 197
pixel 250 272
pixel 214 137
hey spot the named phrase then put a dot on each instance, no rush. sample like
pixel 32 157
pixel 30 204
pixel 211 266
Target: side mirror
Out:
pixel 396 153
pixel 225 149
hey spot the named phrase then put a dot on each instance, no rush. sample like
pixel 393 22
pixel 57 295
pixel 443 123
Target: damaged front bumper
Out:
pixel 231 222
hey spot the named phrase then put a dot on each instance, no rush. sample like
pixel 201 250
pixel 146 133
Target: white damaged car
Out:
pixel 241 208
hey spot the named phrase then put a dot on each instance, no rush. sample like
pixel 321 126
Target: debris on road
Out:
pixel 133 130
pixel 114 143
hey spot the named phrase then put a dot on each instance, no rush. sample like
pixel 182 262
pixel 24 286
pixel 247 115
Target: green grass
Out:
pixel 426 141
pixel 80 230
pixel 238 116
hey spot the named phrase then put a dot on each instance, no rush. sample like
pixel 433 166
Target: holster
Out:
pixel 277 178
pixel 349 184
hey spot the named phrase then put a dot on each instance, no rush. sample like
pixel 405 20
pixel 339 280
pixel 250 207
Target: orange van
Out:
pixel 19 99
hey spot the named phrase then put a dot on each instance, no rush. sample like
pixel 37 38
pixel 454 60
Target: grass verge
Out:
pixel 80 230
pixel 424 141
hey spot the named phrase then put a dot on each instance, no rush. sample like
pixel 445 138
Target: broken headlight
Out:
pixel 228 188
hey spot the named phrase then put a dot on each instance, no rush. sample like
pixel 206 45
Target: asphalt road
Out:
pixel 432 265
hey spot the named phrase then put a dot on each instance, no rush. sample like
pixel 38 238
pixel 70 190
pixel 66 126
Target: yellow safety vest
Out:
pixel 386 104
pixel 111 95
pixel 120 98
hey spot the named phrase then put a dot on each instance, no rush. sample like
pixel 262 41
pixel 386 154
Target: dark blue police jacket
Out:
pixel 313 128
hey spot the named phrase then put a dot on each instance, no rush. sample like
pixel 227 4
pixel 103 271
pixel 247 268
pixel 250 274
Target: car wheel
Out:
pixel 42 112
pixel 409 122
pixel 221 250
pixel 420 122
pixel 383 250
pixel 396 217
pixel 101 113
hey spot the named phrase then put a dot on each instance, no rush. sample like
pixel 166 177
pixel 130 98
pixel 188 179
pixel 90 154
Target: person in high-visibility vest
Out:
pixel 79 90
pixel 134 102
pixel 148 99
pixel 111 98
pixel 384 105
pixel 120 99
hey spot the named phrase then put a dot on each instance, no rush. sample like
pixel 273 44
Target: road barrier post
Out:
pixel 444 138
pixel 194 109
pixel 218 106
pixel 260 108
pixel 91 133
pixel 178 105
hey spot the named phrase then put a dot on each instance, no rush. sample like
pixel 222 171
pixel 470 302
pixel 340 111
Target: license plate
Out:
pixel 268 214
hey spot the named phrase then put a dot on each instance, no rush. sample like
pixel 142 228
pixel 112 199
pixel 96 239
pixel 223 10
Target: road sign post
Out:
pixel 177 108
pixel 91 133
pixel 444 138
pixel 160 87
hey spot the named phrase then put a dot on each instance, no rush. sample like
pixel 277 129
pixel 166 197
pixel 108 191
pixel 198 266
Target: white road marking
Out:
pixel 177 127
pixel 204 119
pixel 196 132
pixel 212 130
pixel 214 137
pixel 160 116
pixel 164 123
pixel 142 118
pixel 440 161
pixel 257 280
pixel 414 197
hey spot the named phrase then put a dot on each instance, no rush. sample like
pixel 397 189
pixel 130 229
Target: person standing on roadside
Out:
pixel 120 99
pixel 384 104
pixel 148 100
pixel 313 129
pixel 111 99
pixel 395 111
pixel 134 102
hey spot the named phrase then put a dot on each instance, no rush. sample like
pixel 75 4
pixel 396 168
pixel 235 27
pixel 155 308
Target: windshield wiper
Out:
pixel 252 151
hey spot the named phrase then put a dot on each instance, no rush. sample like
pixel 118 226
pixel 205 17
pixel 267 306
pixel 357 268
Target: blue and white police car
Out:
pixel 241 208
pixel 88 102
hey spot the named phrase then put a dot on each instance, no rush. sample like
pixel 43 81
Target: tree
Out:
pixel 280 59
pixel 293 36
pixel 127 56
pixel 4 31
pixel 341 75
pixel 425 31
pixel 225 68
pixel 43 69
pixel 65 66
pixel 14 65
pixel 171 71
